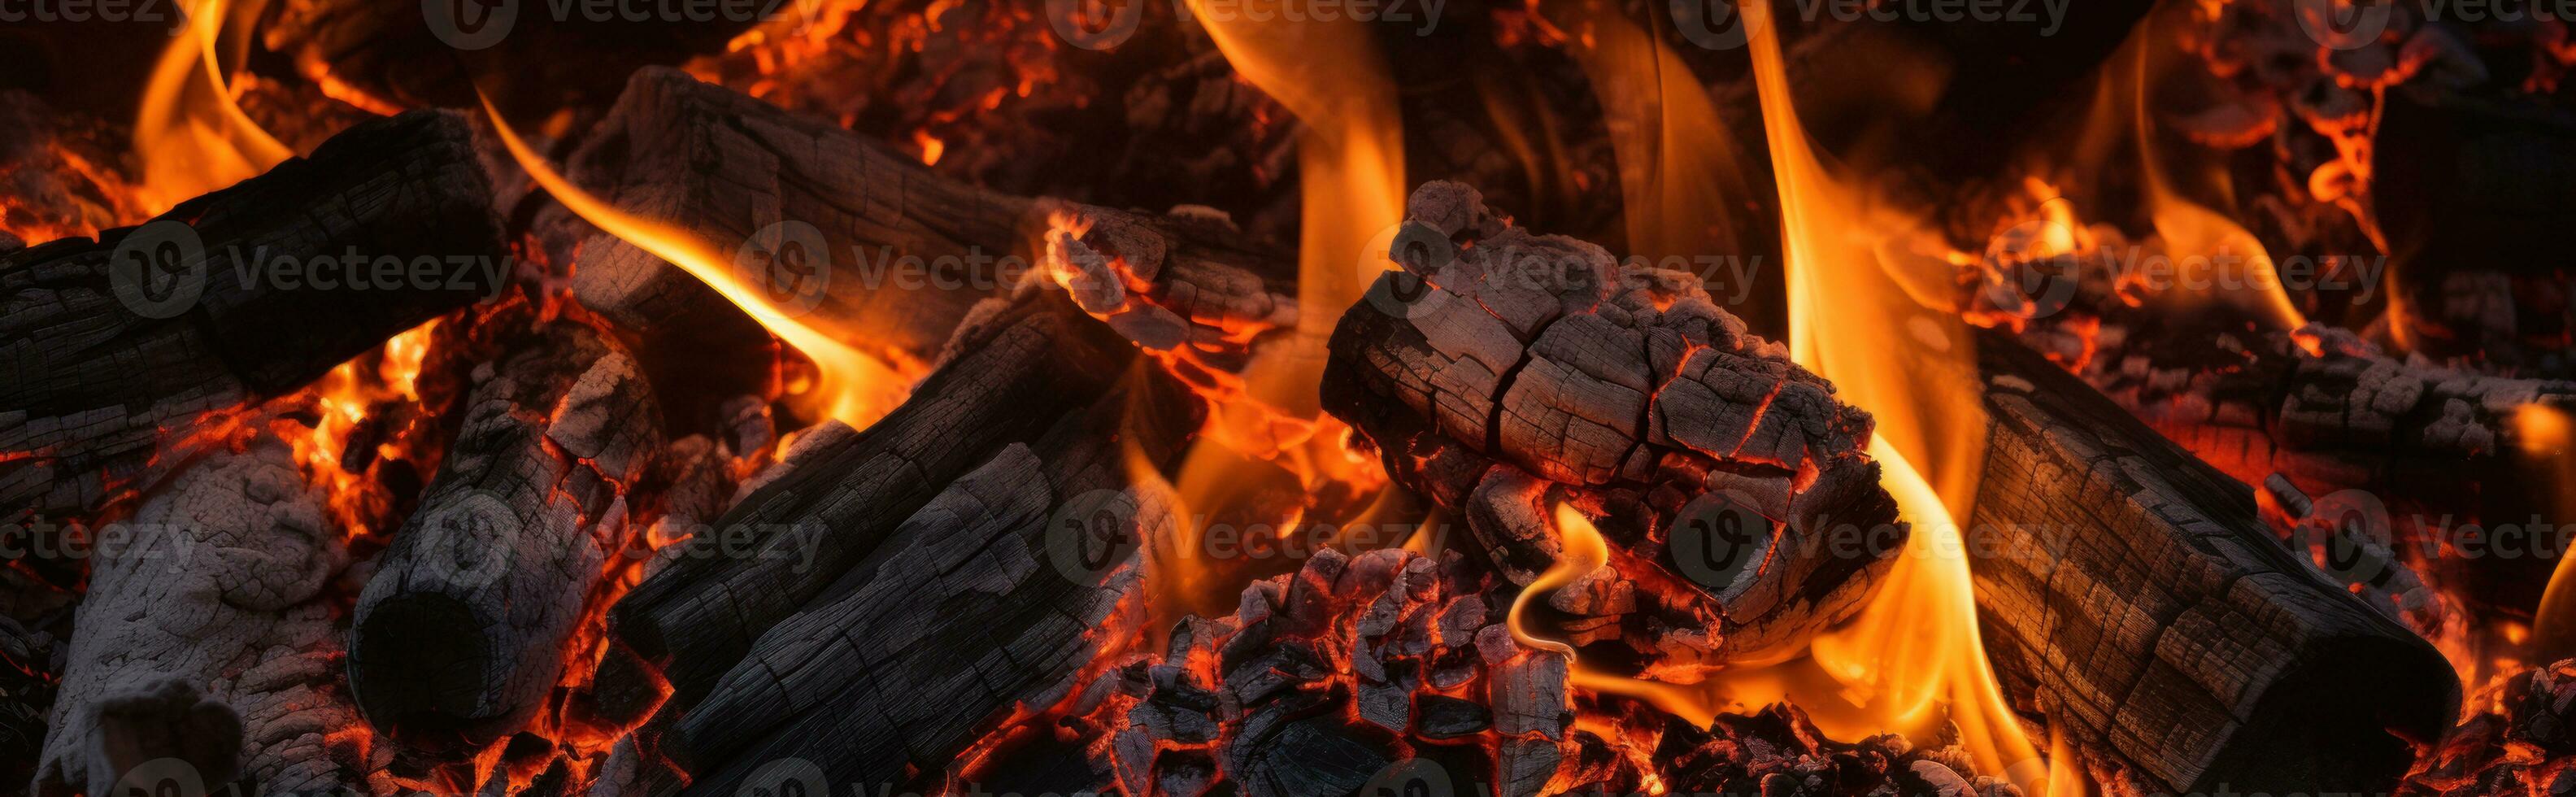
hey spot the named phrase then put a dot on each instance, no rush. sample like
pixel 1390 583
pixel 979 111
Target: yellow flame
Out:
pixel 1864 315
pixel 1581 550
pixel 1676 179
pixel 2190 230
pixel 1915 648
pixel 852 387
pixel 2547 438
pixel 1351 178
pixel 190 135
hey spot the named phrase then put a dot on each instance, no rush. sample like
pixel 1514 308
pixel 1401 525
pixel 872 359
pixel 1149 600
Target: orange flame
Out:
pixel 1876 320
pixel 190 135
pixel 852 387
pixel 2191 230
pixel 2546 435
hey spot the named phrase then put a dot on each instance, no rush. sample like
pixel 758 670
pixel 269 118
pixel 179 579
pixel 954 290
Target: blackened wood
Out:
pixel 1015 373
pixel 1502 377
pixel 971 608
pixel 2131 595
pixel 462 633
pixel 93 383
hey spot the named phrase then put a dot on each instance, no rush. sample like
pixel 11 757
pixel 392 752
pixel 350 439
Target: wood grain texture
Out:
pixel 2137 601
pixel 461 633
pixel 209 638
pixel 93 383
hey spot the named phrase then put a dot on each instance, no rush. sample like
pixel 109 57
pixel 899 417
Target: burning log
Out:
pixel 206 645
pixel 855 232
pixel 979 602
pixel 462 632
pixel 1502 372
pixel 111 341
pixel 1032 371
pixel 2139 603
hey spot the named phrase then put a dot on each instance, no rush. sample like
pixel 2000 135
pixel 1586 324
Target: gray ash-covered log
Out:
pixel 461 634
pixel 2151 617
pixel 109 342
pixel 206 649
pixel 1501 373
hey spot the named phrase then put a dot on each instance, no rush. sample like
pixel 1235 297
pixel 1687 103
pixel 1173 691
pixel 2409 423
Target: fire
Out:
pixel 1351 174
pixel 1871 319
pixel 2547 437
pixel 190 135
pixel 2189 229
pixel 851 386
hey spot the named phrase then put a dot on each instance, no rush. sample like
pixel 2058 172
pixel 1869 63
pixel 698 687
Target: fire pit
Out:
pixel 1287 397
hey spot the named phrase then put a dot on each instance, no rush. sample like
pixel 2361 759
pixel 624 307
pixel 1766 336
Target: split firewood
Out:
pixel 1502 373
pixel 206 650
pixel 111 341
pixel 2137 601
pixel 1016 371
pixel 462 632
pixel 986 600
pixel 860 236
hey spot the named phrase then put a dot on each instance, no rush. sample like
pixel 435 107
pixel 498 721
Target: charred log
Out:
pixel 2136 600
pixel 462 632
pixel 1523 371
pixel 110 341
pixel 1014 373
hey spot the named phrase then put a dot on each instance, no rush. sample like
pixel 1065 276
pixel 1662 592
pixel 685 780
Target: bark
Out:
pixel 1522 371
pixel 2134 599
pixel 1017 371
pixel 980 603
pixel 95 379
pixel 462 632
